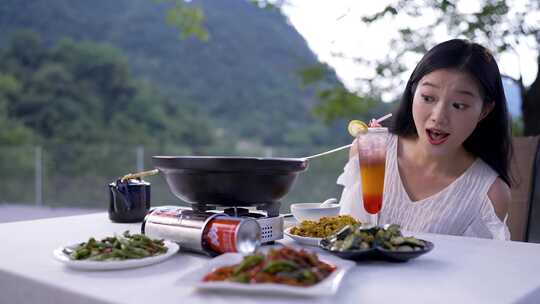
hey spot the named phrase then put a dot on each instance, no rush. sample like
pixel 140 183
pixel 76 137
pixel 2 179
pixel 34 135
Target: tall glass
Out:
pixel 372 158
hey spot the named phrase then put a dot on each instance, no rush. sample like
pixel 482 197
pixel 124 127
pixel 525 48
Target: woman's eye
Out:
pixel 460 106
pixel 427 98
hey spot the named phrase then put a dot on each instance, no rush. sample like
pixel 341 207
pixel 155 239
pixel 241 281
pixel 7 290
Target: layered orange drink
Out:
pixel 372 158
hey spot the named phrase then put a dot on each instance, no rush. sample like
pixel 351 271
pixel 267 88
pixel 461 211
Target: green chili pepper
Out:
pixel 249 262
pixel 280 265
pixel 81 254
pixel 240 278
pixel 308 277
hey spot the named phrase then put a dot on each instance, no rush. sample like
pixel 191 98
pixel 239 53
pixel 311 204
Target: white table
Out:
pixel 458 270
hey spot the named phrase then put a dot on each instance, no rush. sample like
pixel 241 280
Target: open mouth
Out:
pixel 436 137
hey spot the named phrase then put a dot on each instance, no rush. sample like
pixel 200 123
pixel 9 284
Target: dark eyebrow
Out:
pixel 466 92
pixel 461 91
pixel 429 84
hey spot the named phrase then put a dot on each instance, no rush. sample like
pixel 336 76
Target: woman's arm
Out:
pixel 499 194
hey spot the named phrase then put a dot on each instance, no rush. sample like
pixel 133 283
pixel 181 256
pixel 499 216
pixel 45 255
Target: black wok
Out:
pixel 229 181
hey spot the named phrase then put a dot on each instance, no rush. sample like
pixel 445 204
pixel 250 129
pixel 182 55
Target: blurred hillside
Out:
pixel 90 90
pixel 243 80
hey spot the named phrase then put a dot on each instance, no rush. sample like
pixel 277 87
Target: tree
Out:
pixel 188 20
pixel 84 92
pixel 12 131
pixel 496 24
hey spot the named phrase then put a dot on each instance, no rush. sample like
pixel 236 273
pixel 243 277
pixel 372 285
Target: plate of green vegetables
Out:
pixel 115 252
pixel 357 242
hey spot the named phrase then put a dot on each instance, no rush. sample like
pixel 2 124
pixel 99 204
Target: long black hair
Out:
pixel 491 139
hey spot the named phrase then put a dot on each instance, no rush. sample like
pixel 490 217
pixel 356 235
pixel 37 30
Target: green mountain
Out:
pixel 244 77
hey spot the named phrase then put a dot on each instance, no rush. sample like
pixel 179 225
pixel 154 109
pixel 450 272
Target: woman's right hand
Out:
pixel 374 124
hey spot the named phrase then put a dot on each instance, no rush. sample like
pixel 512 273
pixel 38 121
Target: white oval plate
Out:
pixel 328 286
pixel 59 255
pixel 310 241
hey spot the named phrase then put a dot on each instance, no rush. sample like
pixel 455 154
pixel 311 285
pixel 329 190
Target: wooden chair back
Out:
pixel 523 170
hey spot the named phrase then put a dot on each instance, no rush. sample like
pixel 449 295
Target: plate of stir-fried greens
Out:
pixel 283 270
pixel 115 252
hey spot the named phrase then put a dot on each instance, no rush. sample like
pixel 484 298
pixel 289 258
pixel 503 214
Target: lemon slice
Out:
pixel 357 127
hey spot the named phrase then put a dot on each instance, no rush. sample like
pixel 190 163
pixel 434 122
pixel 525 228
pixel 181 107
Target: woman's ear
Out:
pixel 486 109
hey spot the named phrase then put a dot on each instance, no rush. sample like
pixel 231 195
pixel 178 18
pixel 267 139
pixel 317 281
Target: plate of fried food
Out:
pixel 284 270
pixel 312 232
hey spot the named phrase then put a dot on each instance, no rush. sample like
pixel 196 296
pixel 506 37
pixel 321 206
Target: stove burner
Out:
pixel 202 207
pixel 236 211
pixel 270 210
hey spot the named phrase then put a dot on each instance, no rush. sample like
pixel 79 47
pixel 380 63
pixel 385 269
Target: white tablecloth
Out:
pixel 458 270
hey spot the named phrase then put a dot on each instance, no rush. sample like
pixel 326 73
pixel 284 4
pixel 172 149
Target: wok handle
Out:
pixel 139 174
pixel 328 152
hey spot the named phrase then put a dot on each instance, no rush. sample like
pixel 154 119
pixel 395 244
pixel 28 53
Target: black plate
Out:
pixel 378 253
pixel 402 256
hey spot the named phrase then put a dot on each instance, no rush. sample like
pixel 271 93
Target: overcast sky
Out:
pixel 334 26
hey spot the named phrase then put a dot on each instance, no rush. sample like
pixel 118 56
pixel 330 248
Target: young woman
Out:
pixel 448 152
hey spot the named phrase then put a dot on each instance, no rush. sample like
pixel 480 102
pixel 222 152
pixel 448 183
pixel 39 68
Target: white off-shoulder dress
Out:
pixel 462 208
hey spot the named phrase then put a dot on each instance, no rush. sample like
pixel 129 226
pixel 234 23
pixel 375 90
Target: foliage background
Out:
pixel 92 83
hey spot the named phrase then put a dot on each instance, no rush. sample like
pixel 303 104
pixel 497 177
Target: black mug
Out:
pixel 129 200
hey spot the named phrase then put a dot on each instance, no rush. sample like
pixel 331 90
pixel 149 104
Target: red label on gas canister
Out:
pixel 221 234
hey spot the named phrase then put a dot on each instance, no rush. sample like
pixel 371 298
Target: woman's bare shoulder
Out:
pixel 500 196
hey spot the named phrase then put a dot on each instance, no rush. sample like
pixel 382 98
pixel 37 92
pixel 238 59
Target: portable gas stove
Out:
pixel 247 188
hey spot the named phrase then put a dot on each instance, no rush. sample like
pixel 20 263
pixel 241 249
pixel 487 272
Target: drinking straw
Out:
pixel 385 117
pixel 378 120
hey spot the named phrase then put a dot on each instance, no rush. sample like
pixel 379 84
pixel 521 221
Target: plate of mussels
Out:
pixel 363 242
